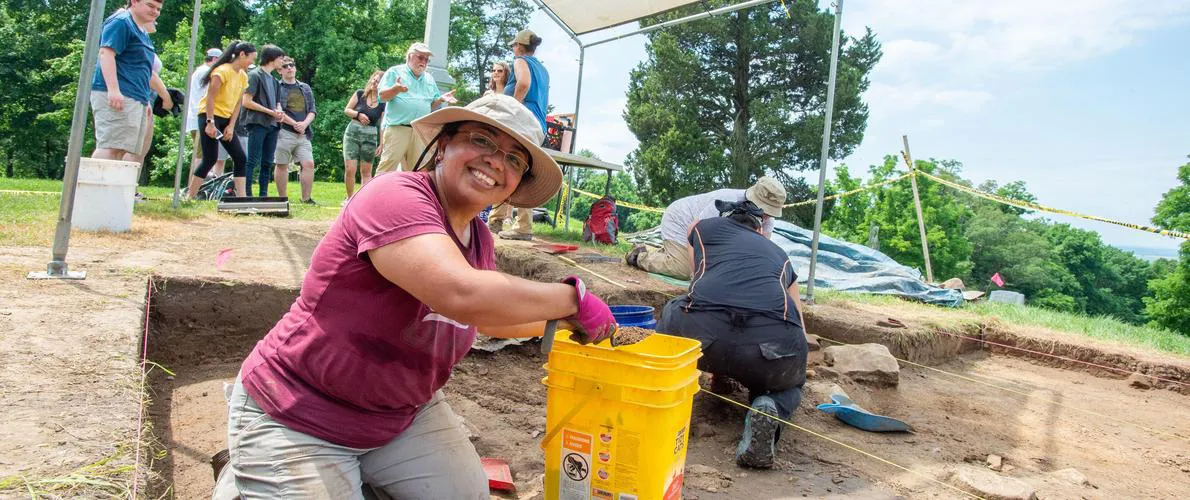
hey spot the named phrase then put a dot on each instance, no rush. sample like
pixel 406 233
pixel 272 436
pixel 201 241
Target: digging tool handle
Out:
pixel 547 339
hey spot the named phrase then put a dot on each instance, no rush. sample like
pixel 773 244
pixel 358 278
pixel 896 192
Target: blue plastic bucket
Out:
pixel 640 316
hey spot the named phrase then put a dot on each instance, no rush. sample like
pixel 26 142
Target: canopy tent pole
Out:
pixel 921 223
pixel 684 20
pixel 57 268
pixel 186 107
pixel 826 144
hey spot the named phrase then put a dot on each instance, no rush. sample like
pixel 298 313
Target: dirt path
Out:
pixel 69 378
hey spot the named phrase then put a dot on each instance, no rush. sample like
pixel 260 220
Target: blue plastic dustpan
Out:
pixel 850 413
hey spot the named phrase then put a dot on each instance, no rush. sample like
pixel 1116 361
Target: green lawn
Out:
pixel 1096 327
pixel 28 217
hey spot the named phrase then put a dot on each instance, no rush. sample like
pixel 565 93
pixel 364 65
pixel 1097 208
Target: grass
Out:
pixel 28 216
pixel 1096 327
pixel 574 235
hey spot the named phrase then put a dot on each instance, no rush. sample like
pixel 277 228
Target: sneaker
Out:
pixel 634 254
pixel 514 235
pixel 219 461
pixel 310 201
pixel 758 443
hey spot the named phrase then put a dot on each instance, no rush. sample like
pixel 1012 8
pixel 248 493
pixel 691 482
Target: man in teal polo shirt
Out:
pixel 409 93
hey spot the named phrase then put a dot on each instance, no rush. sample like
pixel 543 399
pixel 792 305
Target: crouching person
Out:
pixel 743 306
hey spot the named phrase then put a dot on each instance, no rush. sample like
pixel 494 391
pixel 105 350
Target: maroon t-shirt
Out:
pixel 356 355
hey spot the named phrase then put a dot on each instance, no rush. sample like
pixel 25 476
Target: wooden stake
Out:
pixel 921 223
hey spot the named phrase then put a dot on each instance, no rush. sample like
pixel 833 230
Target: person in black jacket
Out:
pixel 743 306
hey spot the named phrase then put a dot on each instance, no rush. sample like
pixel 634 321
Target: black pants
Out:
pixel 210 148
pixel 766 355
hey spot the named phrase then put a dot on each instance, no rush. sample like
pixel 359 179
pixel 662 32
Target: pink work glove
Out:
pixel 594 321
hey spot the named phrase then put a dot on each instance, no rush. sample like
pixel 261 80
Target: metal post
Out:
pixel 921 222
pixel 570 195
pixel 186 107
pixel 826 143
pixel 57 268
pixel 578 95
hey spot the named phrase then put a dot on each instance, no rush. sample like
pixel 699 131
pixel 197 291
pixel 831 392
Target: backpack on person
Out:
pixel 604 224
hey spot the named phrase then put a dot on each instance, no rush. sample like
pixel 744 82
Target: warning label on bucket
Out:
pixel 574 482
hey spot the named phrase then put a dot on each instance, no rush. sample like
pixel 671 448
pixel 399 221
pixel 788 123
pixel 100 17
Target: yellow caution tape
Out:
pixel 563 195
pixel 19 191
pixel 620 203
pixel 1034 206
pixel 853 191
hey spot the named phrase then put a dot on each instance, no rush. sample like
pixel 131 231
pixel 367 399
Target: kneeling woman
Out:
pixel 743 307
pixel 345 388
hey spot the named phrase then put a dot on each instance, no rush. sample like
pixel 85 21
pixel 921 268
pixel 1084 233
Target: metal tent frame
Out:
pixel 58 267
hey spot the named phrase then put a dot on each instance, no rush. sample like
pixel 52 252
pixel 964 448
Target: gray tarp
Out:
pixel 846 266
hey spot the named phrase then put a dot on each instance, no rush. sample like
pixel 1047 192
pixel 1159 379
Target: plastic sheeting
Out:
pixel 847 267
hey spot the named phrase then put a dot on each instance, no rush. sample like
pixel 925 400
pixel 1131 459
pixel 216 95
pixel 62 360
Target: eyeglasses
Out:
pixel 421 57
pixel 487 145
pixel 287 65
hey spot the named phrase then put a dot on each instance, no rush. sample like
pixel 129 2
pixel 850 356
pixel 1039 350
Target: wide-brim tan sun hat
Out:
pixel 511 117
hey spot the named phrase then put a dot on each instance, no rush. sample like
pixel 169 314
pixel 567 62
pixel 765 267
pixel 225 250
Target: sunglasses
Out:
pixel 287 65
pixel 518 162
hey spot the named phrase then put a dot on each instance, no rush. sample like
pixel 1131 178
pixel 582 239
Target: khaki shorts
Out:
pixel 292 148
pixel 123 130
pixel 401 146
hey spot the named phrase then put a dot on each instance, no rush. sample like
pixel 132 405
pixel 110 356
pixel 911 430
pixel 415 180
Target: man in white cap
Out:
pixel 197 90
pixel 674 258
pixel 409 93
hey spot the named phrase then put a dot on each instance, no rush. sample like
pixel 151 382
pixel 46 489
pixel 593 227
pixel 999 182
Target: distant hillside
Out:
pixel 1151 254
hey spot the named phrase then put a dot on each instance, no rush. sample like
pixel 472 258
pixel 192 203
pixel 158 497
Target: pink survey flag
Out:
pixel 221 257
pixel 997 280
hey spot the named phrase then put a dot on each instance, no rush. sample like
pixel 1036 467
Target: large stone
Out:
pixel 1072 476
pixel 990 485
pixel 866 363
pixel 1139 380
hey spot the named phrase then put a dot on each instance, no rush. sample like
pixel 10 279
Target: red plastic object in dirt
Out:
pixel 499 475
pixel 555 248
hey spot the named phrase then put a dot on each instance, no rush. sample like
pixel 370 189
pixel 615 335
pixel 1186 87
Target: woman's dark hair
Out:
pixel 534 42
pixel 270 53
pixel 744 212
pixel 233 51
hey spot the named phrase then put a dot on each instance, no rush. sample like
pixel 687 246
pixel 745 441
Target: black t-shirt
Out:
pixel 373 114
pixel 736 268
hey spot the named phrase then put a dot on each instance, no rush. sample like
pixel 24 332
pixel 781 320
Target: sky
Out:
pixel 1086 101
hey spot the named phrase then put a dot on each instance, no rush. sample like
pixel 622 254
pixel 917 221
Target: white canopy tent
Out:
pixel 575 17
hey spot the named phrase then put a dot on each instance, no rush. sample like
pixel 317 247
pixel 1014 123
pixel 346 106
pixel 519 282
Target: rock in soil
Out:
pixel 706 478
pixel 1072 476
pixel 990 485
pixel 995 462
pixel 866 363
pixel 628 335
pixel 1140 381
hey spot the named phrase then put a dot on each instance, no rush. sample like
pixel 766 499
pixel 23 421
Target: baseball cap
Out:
pixel 525 37
pixel 214 52
pixel 513 118
pixel 419 47
pixel 768 194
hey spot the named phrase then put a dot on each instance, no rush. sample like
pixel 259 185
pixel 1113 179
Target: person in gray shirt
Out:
pixel 261 117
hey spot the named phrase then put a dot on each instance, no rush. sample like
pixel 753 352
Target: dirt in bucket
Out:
pixel 628 335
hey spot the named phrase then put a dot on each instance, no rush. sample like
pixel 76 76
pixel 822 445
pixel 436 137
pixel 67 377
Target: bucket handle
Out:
pixel 553 431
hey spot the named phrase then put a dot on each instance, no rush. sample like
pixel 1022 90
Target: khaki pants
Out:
pixel 673 259
pixel 524 218
pixel 402 146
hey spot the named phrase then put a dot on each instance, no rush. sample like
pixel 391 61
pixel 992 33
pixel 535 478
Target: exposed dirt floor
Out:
pixel 70 375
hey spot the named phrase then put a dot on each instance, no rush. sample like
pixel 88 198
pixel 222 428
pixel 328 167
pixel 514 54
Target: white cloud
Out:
pixel 905 54
pixel 893 99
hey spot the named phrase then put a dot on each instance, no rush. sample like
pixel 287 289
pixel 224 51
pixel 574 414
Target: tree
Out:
pixel 1169 306
pixel 722 101
pixel 480 32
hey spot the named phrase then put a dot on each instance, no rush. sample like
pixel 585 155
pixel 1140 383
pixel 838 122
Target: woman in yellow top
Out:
pixel 218 111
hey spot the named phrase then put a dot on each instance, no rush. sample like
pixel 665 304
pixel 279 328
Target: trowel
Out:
pixel 843 408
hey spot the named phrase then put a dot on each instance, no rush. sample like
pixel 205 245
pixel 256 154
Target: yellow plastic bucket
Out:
pixel 617 419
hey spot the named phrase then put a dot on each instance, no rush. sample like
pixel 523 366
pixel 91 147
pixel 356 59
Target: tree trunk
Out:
pixel 8 167
pixel 741 156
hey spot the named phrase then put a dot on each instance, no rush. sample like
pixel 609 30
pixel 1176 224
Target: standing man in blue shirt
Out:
pixel 120 88
pixel 530 84
pixel 409 93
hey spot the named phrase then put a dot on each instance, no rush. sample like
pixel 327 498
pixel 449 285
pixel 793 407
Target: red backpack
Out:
pixel 603 224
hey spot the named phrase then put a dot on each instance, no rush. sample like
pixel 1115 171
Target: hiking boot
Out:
pixel 634 254
pixel 514 235
pixel 219 461
pixel 758 443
